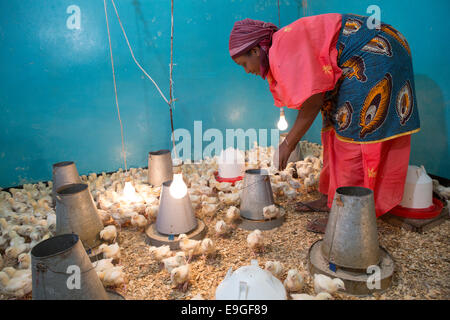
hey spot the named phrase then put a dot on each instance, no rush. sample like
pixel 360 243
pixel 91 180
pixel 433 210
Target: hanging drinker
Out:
pixel 159 167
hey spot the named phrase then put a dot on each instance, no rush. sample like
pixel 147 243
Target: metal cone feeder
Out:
pixel 61 270
pixel 64 173
pixel 350 249
pixel 76 213
pixel 159 167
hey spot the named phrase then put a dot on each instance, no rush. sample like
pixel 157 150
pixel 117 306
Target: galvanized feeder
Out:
pixel 159 167
pixel 64 173
pixel 350 249
pixel 257 194
pixel 61 270
pixel 296 155
pixel 76 213
pixel 175 216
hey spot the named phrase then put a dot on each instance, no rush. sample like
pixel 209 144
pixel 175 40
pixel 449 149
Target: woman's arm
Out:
pixel 305 118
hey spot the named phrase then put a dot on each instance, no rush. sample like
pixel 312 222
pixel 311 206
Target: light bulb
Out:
pixel 178 188
pixel 129 193
pixel 282 123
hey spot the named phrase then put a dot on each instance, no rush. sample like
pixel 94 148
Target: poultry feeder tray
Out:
pixel 295 155
pixel 231 163
pixel 250 283
pixel 54 261
pixel 257 194
pixel 160 167
pixel 64 173
pixel 175 216
pixel 76 213
pixel 418 201
pixel 350 249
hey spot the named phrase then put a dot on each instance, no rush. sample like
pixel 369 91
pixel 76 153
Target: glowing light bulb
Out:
pixel 178 188
pixel 282 123
pixel 129 193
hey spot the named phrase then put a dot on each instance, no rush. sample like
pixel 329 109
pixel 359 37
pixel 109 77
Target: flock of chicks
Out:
pixel 27 217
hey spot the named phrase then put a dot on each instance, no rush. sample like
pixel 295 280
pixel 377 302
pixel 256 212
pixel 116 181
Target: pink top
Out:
pixel 303 59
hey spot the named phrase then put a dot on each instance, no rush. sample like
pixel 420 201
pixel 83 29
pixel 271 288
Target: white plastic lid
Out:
pixel 231 163
pixel 250 283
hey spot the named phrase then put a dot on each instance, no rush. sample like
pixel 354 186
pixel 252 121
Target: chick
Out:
pixel 207 247
pixel 113 276
pixel 151 212
pixel 160 253
pixel 255 241
pixel 210 200
pixel 294 281
pixel 208 209
pixel 271 212
pixel 230 198
pixel 111 251
pixel 322 283
pixel 171 263
pixel 24 260
pixel 232 214
pixel 138 221
pixel 180 276
pixel 275 268
pixel 13 251
pixel 1 261
pixel 109 234
pixel 310 182
pixel 102 264
pixel 303 296
pixel 16 283
pixel 188 246
pixel 221 228
pixel 104 216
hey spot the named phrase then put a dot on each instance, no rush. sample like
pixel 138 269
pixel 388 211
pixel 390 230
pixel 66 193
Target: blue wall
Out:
pixel 57 97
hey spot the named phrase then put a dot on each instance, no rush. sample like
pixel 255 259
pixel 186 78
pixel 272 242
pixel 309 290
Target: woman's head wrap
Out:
pixel 247 34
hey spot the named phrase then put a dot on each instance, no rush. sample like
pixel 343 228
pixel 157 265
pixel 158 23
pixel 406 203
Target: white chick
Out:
pixel 16 284
pixel 221 228
pixel 310 181
pixel 322 283
pixel 138 221
pixel 113 276
pixel 210 200
pixel 111 251
pixel 24 260
pixel 208 208
pixel 151 212
pixel 289 192
pixel 109 234
pixel 232 214
pixel 171 263
pixel 271 212
pixel 13 251
pixel 189 246
pixel 303 296
pixel 275 268
pixel 255 240
pixel 294 281
pixel 102 264
pixel 207 247
pixel 104 216
pixel 180 276
pixel 160 253
pixel 230 198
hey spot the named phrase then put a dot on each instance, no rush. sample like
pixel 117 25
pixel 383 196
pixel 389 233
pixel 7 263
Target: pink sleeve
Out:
pixel 303 59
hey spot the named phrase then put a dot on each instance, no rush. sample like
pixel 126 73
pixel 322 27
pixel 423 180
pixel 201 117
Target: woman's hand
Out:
pixel 282 154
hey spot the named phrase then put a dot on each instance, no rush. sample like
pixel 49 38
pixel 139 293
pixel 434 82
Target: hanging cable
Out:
pixel 132 54
pixel 115 88
pixel 279 19
pixel 171 82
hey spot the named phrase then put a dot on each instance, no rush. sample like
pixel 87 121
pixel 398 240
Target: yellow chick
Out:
pixel 109 234
pixel 104 216
pixel 171 263
pixel 113 276
pixel 180 276
pixel 323 283
pixel 275 268
pixel 271 212
pixel 232 214
pixel 221 228
pixel 230 198
pixel 255 241
pixel 189 246
pixel 207 247
pixel 139 221
pixel 160 253
pixel 152 212
pixel 294 281
pixel 24 260
pixel 303 296
pixel 111 251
